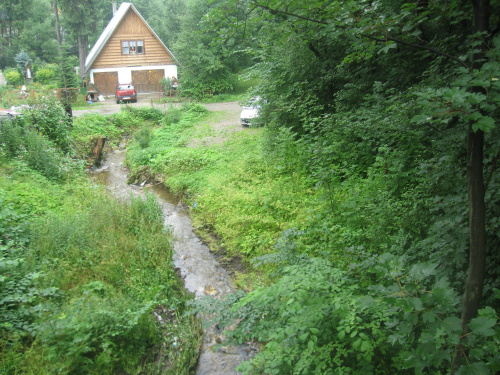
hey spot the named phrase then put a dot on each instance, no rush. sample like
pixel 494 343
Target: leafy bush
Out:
pixel 146 113
pixel 45 75
pixel 13 77
pixel 317 319
pixel 173 133
pixel 41 155
pixel 173 116
pixel 18 291
pixel 93 330
pixel 125 120
pixel 142 137
pixel 48 117
pixel 12 133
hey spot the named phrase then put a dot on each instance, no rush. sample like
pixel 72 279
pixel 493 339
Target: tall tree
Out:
pixel 27 25
pixel 84 19
pixel 477 212
pixel 58 27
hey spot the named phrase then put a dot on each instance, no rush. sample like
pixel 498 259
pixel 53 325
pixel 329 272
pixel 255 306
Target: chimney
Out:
pixel 114 7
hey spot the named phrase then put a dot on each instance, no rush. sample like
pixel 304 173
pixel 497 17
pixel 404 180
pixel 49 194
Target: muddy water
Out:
pixel 200 270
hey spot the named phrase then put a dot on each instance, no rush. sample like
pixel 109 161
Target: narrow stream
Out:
pixel 199 268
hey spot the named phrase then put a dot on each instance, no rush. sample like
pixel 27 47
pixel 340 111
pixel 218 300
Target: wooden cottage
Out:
pixel 129 51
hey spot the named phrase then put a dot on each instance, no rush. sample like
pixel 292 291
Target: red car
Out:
pixel 125 92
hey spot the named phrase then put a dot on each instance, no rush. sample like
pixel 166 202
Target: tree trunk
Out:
pixel 83 48
pixel 473 293
pixel 58 28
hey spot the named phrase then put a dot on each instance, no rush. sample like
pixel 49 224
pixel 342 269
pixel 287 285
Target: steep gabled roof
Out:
pixel 110 29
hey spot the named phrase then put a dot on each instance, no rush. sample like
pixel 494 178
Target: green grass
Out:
pixel 234 191
pixel 81 274
pixel 86 105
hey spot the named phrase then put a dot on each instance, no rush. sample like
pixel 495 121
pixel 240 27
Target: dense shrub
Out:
pixel 45 75
pixel 13 77
pixel 48 117
pixel 147 113
pixel 90 310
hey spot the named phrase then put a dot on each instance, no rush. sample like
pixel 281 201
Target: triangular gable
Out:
pixel 110 29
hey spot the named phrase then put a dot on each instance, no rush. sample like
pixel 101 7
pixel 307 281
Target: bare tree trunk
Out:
pixel 58 28
pixel 83 49
pixel 473 293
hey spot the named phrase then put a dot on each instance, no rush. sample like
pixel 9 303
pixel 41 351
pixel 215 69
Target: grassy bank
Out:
pixel 239 199
pixel 83 278
pixel 349 277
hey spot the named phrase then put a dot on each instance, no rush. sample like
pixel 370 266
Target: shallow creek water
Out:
pixel 199 268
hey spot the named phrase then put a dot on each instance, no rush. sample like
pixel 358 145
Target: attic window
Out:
pixel 132 47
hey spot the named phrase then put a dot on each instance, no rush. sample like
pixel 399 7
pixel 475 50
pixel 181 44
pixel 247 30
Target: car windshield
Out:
pixel 125 87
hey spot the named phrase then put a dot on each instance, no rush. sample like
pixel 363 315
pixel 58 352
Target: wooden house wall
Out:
pixel 132 28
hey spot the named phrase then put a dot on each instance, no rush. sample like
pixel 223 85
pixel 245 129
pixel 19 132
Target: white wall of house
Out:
pixel 125 73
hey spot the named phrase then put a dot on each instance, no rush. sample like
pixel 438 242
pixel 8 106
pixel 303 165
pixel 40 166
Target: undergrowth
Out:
pixel 361 242
pixel 87 284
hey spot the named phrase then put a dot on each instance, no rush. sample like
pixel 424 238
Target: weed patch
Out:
pixel 86 283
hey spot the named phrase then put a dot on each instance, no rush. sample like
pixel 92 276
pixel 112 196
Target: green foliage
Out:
pixel 48 118
pixel 443 105
pixel 34 150
pixel 40 155
pixel 12 133
pixel 93 330
pixel 13 77
pixel 45 75
pixel 207 65
pixel 30 29
pixel 147 113
pixel 309 323
pixel 142 137
pixel 176 126
pixel 125 120
pixel 92 126
pixel 85 283
pixel 316 319
pixel 67 77
pixel 173 116
pixel 166 84
pixel 22 59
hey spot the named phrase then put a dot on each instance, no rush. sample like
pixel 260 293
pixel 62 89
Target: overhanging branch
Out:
pixel 419 46
pixel 387 38
pixel 281 12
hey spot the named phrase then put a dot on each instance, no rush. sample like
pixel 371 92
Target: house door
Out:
pixel 147 80
pixel 106 82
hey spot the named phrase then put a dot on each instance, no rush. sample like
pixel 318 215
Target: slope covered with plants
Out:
pixel 83 277
pixel 370 200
